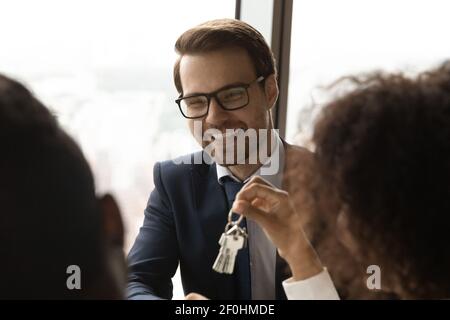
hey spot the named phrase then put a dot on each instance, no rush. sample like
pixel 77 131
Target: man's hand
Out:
pixel 195 296
pixel 273 210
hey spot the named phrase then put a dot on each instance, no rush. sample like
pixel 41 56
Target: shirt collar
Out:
pixel 274 179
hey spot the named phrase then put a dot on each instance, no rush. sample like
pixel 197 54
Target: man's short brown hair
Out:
pixel 224 33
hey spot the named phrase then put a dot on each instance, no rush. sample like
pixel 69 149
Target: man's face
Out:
pixel 211 71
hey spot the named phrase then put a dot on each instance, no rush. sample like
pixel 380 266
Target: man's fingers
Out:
pixel 260 203
pixel 269 194
pixel 247 210
pixel 258 180
pixel 195 296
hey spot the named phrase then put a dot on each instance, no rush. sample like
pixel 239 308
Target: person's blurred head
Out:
pixel 384 148
pixel 232 57
pixel 50 218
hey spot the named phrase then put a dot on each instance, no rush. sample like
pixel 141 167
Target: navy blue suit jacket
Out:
pixel 185 216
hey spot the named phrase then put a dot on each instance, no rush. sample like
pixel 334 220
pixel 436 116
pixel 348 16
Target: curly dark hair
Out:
pixel 384 148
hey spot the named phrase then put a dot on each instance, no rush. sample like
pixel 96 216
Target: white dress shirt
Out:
pixel 318 287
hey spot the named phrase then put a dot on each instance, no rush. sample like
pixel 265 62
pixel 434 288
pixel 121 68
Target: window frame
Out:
pixel 281 22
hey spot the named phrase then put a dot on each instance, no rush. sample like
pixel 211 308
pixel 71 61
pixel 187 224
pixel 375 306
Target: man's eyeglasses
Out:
pixel 228 98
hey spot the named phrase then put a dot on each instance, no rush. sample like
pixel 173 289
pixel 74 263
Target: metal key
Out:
pixel 231 241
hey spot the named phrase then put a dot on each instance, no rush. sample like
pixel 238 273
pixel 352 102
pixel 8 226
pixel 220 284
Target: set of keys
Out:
pixel 231 241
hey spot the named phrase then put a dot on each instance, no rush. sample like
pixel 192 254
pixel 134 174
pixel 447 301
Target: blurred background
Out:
pixel 105 69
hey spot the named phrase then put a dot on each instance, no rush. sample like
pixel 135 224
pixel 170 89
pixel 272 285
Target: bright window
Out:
pixel 105 69
pixel 331 39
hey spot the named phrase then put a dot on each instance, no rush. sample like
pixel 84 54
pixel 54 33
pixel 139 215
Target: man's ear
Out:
pixel 271 90
pixel 112 221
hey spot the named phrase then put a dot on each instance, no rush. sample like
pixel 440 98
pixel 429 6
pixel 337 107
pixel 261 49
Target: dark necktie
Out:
pixel 242 267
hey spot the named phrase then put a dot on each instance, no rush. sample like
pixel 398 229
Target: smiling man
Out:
pixel 227 81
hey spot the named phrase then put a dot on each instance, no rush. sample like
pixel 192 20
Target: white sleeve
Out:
pixel 318 287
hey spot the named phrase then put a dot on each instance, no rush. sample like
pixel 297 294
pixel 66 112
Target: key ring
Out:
pixel 230 218
pixel 232 223
pixel 232 226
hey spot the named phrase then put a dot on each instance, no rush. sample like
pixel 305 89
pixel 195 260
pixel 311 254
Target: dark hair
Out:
pixel 49 218
pixel 385 148
pixel 225 33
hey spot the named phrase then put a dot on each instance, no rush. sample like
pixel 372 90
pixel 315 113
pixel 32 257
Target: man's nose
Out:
pixel 216 113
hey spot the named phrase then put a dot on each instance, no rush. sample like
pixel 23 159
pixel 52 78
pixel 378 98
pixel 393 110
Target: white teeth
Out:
pixel 227 134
